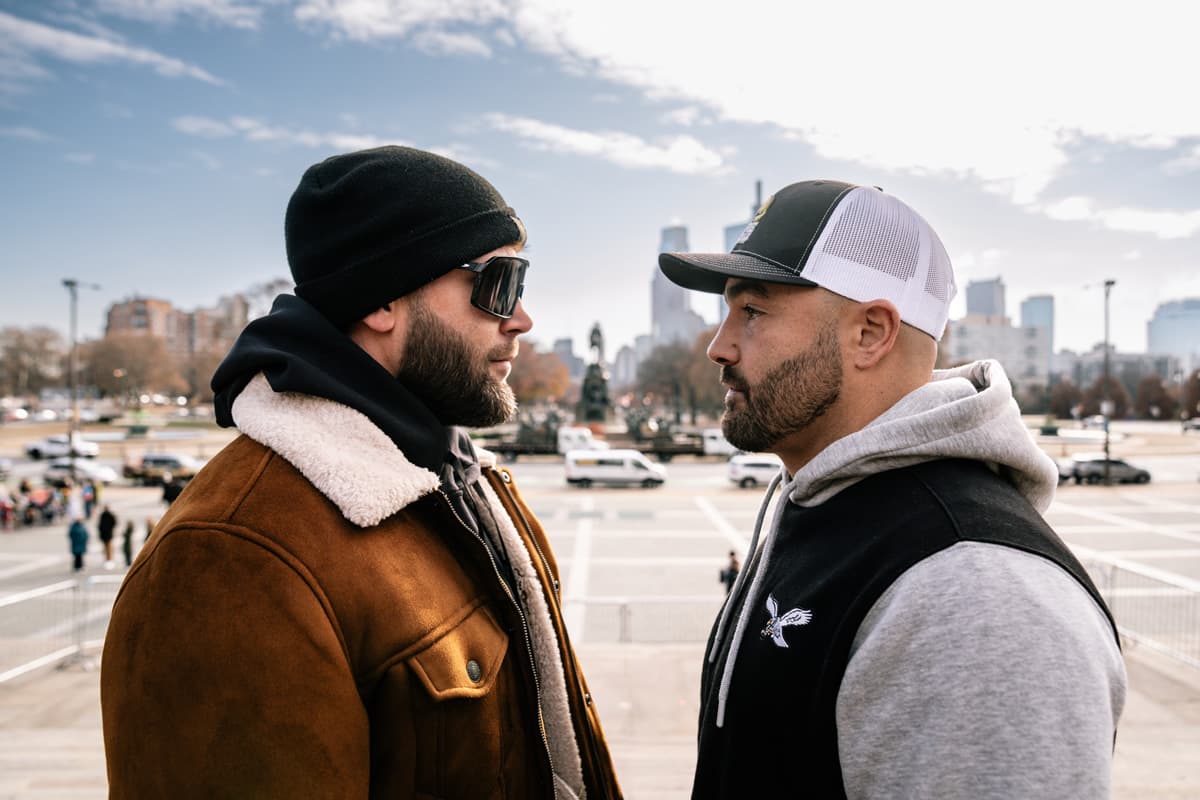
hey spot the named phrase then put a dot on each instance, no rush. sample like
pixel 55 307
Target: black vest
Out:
pixel 780 738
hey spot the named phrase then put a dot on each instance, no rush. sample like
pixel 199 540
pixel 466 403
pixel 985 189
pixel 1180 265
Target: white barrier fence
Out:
pixel 64 622
pixel 56 624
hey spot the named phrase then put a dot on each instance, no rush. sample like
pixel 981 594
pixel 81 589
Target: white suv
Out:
pixel 55 446
pixel 751 469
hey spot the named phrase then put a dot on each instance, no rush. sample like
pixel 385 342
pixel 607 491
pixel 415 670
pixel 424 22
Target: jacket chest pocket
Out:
pixel 466 661
pixel 466 719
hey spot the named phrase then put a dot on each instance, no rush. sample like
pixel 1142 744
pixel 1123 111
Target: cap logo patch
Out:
pixel 754 223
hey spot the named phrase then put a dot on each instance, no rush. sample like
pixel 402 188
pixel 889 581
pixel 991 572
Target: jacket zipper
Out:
pixel 528 638
pixel 591 736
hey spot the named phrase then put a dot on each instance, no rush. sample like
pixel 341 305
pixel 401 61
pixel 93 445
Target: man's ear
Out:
pixel 382 319
pixel 876 328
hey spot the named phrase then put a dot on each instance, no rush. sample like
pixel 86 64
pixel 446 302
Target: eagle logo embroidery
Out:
pixel 777 622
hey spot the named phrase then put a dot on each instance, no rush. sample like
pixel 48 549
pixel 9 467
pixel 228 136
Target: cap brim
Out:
pixel 707 272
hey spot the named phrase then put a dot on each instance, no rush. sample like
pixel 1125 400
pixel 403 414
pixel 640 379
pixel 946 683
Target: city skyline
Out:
pixel 150 147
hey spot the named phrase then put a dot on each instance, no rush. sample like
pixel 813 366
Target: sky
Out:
pixel 150 146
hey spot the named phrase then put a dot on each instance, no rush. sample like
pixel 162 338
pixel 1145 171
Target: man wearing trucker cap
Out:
pixel 907 625
pixel 349 600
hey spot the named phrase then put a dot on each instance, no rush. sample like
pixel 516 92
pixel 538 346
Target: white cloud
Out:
pixel 22 41
pixel 1163 224
pixel 202 126
pixel 683 154
pixel 255 130
pixel 987 98
pixel 364 20
pixel 1132 255
pixel 226 12
pixel 438 43
pixel 23 132
pixel 82 159
pixel 686 116
pixel 1189 162
pixel 211 162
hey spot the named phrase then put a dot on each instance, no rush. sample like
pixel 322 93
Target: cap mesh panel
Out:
pixel 875 236
pixel 937 281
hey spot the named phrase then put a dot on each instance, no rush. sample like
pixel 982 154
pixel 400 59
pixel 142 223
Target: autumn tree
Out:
pixel 664 374
pixel 31 359
pixel 538 376
pixel 1191 396
pixel 1116 392
pixel 125 365
pixel 1152 400
pixel 197 373
pixel 1064 397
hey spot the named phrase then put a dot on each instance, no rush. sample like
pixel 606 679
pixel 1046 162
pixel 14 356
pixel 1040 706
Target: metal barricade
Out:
pixel 62 623
pixel 650 619
pixel 1156 609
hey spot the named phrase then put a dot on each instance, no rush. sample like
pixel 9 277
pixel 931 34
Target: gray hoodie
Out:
pixel 909 725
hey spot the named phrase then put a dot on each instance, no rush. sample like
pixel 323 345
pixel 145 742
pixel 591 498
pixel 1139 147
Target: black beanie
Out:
pixel 365 228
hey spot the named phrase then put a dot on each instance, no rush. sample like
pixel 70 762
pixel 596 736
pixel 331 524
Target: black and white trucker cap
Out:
pixel 855 241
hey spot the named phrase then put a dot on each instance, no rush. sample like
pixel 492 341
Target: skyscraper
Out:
pixel 671 316
pixel 986 298
pixel 1038 312
pixel 1175 330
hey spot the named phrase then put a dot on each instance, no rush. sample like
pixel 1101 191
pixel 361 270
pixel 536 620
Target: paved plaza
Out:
pixel 640 569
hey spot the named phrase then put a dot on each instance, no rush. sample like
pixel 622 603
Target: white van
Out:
pixel 715 443
pixel 751 469
pixel 577 437
pixel 620 467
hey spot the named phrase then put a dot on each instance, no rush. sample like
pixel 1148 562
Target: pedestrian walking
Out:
pixel 127 543
pixel 107 526
pixel 907 624
pixel 77 534
pixel 729 573
pixel 355 601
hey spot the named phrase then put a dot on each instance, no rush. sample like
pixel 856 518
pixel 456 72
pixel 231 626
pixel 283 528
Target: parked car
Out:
pixel 154 467
pixel 750 469
pixel 1090 469
pixel 1192 424
pixel 1094 421
pixel 59 472
pixel 616 467
pixel 57 445
pixel 5 468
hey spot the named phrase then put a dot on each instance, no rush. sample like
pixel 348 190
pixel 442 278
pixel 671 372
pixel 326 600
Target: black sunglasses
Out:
pixel 499 284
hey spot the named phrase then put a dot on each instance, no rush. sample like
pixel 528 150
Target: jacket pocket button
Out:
pixel 474 672
pixel 587 699
pixel 504 476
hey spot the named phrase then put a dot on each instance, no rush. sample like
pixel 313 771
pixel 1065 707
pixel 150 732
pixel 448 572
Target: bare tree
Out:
pixel 1152 400
pixel 31 359
pixel 260 296
pixel 125 365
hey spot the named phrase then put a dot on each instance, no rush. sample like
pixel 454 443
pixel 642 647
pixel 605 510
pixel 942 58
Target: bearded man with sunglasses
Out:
pixel 349 600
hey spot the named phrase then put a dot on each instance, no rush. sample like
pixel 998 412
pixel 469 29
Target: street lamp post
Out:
pixel 72 286
pixel 1107 403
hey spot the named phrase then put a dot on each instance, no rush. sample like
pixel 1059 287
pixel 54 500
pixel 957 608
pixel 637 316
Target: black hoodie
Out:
pixel 298 350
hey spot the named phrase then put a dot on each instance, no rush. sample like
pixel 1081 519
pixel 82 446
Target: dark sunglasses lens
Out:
pixel 499 286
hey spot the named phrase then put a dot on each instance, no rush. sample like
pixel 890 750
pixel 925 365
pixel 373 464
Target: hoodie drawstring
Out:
pixel 748 603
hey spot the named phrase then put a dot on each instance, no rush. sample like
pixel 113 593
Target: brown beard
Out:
pixel 787 400
pixel 451 378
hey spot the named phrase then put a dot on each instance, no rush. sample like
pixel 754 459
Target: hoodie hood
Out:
pixel 966 412
pixel 301 352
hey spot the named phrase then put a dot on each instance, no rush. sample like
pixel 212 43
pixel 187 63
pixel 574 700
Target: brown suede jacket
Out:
pixel 312 620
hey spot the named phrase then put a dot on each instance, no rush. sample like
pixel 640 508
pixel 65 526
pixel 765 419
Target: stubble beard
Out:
pixel 790 398
pixel 451 377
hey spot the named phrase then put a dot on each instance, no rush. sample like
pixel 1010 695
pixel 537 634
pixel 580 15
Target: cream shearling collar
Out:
pixel 339 450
